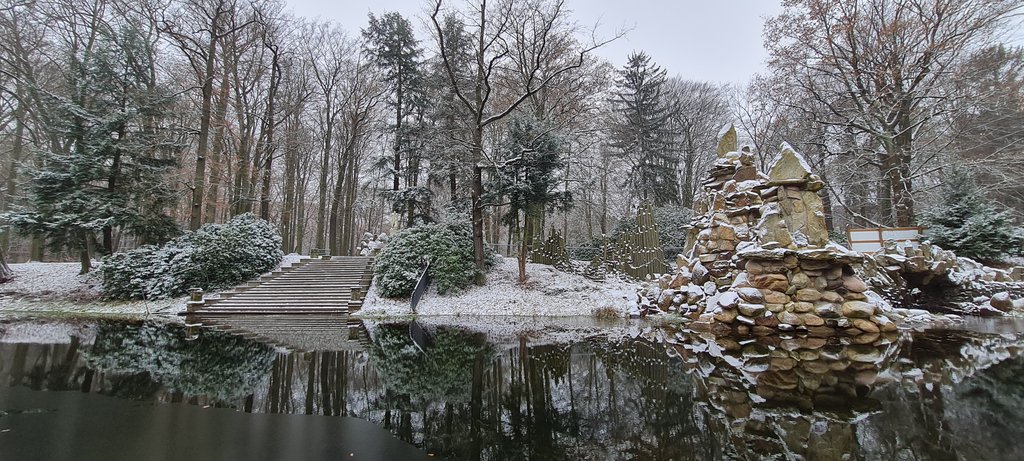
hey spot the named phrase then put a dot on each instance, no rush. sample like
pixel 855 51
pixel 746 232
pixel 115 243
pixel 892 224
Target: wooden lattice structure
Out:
pixel 639 252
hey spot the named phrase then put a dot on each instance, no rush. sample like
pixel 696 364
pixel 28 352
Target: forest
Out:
pixel 124 123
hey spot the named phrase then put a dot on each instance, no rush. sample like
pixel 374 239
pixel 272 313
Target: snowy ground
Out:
pixel 58 288
pixel 548 293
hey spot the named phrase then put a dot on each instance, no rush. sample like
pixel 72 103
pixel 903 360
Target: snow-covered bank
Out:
pixel 549 292
pixel 51 287
pixel 51 281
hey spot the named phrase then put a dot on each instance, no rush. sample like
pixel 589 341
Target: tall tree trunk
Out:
pixel 213 195
pixel 325 163
pixel 268 151
pixel 290 167
pixel 5 271
pixel 199 180
pixel 11 183
pixel 476 202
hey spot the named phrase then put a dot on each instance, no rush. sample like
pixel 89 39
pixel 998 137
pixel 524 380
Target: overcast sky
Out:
pixel 718 41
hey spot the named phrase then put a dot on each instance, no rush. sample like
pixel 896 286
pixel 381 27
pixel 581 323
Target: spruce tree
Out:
pixel 640 131
pixel 529 178
pixel 391 44
pixel 967 222
pixel 111 152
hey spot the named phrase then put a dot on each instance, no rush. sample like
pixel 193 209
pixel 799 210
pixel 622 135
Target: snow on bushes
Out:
pixel 447 245
pixel 214 257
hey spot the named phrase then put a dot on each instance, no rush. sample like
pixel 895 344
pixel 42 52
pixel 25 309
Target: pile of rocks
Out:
pixel 371 245
pixel 759 257
pixel 937 279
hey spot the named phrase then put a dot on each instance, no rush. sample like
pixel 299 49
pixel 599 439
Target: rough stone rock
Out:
pixel 885 324
pixel 854 284
pixel 751 310
pixel 790 318
pixel 800 306
pixel 808 294
pixel 772 226
pixel 728 142
pixel 858 309
pixel 745 320
pixel 862 353
pixel 775 297
pixel 775 308
pixel 777 282
pixel 751 295
pixel 815 265
pixel 700 274
pixel 800 280
pixel 789 166
pixel 831 296
pixel 986 311
pixel 726 315
pixel 767 319
pixel 811 320
pixel 826 310
pixel 729 300
pixel 680 279
pixel 864 324
pixel 1001 301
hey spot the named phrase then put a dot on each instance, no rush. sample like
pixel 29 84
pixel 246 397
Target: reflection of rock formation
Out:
pixel 797 396
pixel 655 393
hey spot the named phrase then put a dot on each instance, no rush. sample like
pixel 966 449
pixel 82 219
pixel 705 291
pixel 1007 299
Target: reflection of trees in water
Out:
pixel 216 365
pixel 939 395
pixel 143 361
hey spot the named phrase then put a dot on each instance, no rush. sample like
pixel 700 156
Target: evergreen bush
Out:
pixel 967 223
pixel 214 257
pixel 448 245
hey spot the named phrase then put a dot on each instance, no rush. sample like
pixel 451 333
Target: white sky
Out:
pixel 718 41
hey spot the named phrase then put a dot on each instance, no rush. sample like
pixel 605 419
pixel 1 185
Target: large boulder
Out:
pixel 789 167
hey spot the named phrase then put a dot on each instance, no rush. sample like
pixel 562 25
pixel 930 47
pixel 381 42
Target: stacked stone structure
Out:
pixel 759 258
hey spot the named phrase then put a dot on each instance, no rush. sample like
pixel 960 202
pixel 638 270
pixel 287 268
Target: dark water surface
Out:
pixel 112 390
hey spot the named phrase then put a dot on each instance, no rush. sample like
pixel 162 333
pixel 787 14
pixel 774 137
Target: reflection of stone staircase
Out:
pixel 297 333
pixel 330 285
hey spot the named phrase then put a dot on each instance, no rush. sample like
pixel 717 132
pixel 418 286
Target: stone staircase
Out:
pixel 326 285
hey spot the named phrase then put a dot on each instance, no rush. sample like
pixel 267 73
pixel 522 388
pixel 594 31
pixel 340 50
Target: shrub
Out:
pixel 448 246
pixel 214 257
pixel 967 223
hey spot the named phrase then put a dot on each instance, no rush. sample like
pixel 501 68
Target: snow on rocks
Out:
pixel 767 243
pixel 548 292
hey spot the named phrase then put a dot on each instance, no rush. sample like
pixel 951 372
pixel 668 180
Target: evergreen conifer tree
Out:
pixel 392 45
pixel 110 152
pixel 640 131
pixel 967 223
pixel 529 178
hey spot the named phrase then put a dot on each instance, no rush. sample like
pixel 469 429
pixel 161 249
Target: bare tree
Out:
pixel 499 30
pixel 880 67
pixel 196 27
pixel 700 111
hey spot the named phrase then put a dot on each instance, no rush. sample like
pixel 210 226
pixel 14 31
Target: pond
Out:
pixel 337 388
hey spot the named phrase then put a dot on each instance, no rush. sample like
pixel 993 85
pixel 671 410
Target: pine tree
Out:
pixel 640 131
pixel 529 178
pixel 391 44
pixel 967 223
pixel 111 154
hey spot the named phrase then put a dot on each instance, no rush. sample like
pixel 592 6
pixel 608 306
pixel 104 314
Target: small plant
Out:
pixel 214 257
pixel 607 313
